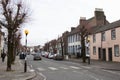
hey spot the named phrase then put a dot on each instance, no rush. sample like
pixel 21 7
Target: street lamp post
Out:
pixel 26 33
pixel 25 64
pixel 88 46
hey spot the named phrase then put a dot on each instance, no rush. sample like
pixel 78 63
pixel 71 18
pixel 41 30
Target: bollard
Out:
pixel 25 65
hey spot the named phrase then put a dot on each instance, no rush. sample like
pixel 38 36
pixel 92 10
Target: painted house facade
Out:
pixel 74 42
pixel 105 42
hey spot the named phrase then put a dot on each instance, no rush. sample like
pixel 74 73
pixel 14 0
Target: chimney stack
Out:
pixel 82 21
pixel 72 28
pixel 99 16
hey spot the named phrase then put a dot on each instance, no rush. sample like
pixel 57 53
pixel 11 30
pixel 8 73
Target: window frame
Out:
pixel 103 36
pixel 94 50
pixel 113 33
pixel 94 38
pixel 116 53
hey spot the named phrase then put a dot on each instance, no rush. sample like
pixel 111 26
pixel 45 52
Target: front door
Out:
pixel 110 54
pixel 99 52
pixel 104 54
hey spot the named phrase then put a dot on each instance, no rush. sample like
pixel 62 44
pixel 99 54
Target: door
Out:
pixel 99 53
pixel 104 54
pixel 110 54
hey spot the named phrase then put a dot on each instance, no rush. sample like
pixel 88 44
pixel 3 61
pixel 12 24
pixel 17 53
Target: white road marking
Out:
pixel 86 67
pixel 43 76
pixel 111 72
pixel 32 70
pixel 41 69
pixel 52 68
pixel 74 67
pixel 79 72
pixel 94 77
pixel 82 73
pixel 63 68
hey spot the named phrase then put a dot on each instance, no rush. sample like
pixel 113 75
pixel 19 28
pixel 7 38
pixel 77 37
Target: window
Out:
pixel 72 38
pixel 76 37
pixel 103 36
pixel 94 38
pixel 116 50
pixel 113 34
pixel 68 39
pixel 94 50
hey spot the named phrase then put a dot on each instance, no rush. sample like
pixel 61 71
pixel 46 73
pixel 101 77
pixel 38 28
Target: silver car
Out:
pixel 37 57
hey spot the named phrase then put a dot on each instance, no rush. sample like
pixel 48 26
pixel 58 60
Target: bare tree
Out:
pixel 12 16
pixel 83 34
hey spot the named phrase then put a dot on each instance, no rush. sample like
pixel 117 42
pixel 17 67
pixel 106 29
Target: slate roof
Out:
pixel 76 30
pixel 112 25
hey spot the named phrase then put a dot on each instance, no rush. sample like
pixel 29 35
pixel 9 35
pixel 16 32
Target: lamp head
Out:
pixel 88 39
pixel 26 32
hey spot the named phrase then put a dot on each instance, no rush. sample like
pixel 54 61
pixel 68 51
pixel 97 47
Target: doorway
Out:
pixel 104 54
pixel 110 54
pixel 99 53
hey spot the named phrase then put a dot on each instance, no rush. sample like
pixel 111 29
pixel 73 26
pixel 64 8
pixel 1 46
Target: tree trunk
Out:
pixel 13 49
pixel 62 49
pixel 9 54
pixel 83 51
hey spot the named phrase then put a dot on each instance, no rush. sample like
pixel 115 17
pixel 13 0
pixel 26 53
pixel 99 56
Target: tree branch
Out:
pixel 3 24
pixel 17 14
pixel 4 6
pixel 20 21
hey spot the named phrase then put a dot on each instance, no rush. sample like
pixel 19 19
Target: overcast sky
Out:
pixel 50 18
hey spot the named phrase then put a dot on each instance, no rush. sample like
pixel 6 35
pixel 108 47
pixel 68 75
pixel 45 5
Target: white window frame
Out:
pixel 103 36
pixel 116 51
pixel 94 50
pixel 113 34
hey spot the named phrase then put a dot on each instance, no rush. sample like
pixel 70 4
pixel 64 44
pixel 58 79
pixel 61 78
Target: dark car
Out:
pixel 58 57
pixel 37 57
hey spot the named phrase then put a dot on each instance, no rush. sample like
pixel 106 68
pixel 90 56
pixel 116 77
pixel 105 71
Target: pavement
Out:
pixel 107 65
pixel 17 72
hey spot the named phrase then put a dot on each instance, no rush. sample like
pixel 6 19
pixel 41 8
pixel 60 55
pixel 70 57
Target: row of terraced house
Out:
pixel 104 39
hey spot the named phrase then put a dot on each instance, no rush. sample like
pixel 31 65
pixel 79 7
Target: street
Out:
pixel 50 69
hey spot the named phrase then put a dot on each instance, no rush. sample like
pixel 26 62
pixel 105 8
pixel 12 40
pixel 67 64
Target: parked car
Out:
pixel 43 54
pixel 37 57
pixel 58 57
pixel 46 54
pixel 50 55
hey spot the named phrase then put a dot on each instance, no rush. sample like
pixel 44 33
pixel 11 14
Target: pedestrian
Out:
pixel 3 55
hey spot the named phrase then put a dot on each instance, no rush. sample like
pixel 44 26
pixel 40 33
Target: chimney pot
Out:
pixel 82 18
pixel 98 9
